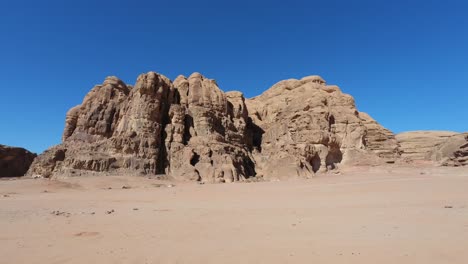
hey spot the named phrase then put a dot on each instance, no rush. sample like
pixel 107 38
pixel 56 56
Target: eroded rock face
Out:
pixel 417 145
pixel 189 129
pixel 444 148
pixel 380 140
pixel 116 129
pixel 207 136
pixel 306 126
pixel 452 152
pixel 14 162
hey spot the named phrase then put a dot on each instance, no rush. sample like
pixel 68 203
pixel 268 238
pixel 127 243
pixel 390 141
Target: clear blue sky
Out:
pixel 405 62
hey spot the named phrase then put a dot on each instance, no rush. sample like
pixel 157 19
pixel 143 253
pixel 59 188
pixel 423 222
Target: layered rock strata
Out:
pixel 189 129
pixel 440 147
pixel 306 126
pixel 417 145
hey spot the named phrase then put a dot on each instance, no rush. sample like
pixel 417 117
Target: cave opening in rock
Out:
pixel 59 155
pixel 195 159
pixel 314 161
pixel 257 135
pixel 334 156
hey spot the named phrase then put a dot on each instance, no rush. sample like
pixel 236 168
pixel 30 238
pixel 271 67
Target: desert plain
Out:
pixel 384 214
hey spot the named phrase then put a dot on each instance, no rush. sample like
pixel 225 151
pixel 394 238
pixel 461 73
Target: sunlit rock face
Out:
pixel 444 148
pixel 189 129
pixel 306 126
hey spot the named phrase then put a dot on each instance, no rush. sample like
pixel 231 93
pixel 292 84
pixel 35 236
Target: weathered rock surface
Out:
pixel 117 129
pixel 452 152
pixel 441 147
pixel 189 129
pixel 417 145
pixel 380 140
pixel 14 161
pixel 305 126
pixel 206 136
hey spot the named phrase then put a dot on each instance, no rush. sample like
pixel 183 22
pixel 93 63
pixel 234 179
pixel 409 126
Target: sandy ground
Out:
pixel 366 215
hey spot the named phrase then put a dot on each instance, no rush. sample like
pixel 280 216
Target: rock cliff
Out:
pixel 305 126
pixel 189 129
pixel 14 161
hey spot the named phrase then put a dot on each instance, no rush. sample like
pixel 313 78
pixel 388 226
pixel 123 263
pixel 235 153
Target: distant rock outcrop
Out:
pixel 441 147
pixel 417 145
pixel 452 152
pixel 14 161
pixel 189 129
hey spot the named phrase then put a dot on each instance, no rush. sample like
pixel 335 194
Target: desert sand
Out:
pixel 365 215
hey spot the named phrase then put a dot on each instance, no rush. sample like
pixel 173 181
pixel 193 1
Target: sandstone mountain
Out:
pixel 307 126
pixel 440 147
pixel 14 161
pixel 189 129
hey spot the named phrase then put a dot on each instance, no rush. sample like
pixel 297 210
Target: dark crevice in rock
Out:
pixel 187 125
pixel 315 162
pixel 195 159
pixel 162 162
pixel 334 156
pixel 60 155
pixel 331 122
pixel 257 134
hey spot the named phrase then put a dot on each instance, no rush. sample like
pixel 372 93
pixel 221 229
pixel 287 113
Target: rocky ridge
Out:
pixel 189 129
pixel 14 161
pixel 444 148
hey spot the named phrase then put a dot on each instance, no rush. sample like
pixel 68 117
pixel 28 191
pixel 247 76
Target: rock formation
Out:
pixel 441 147
pixel 306 126
pixel 207 136
pixel 416 145
pixel 189 129
pixel 452 152
pixel 14 161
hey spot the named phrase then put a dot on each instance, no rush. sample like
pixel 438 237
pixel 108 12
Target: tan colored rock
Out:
pixel 444 148
pixel 380 140
pixel 417 145
pixel 138 133
pixel 14 161
pixel 207 137
pixel 190 129
pixel 97 116
pixel 116 129
pixel 306 126
pixel 452 152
